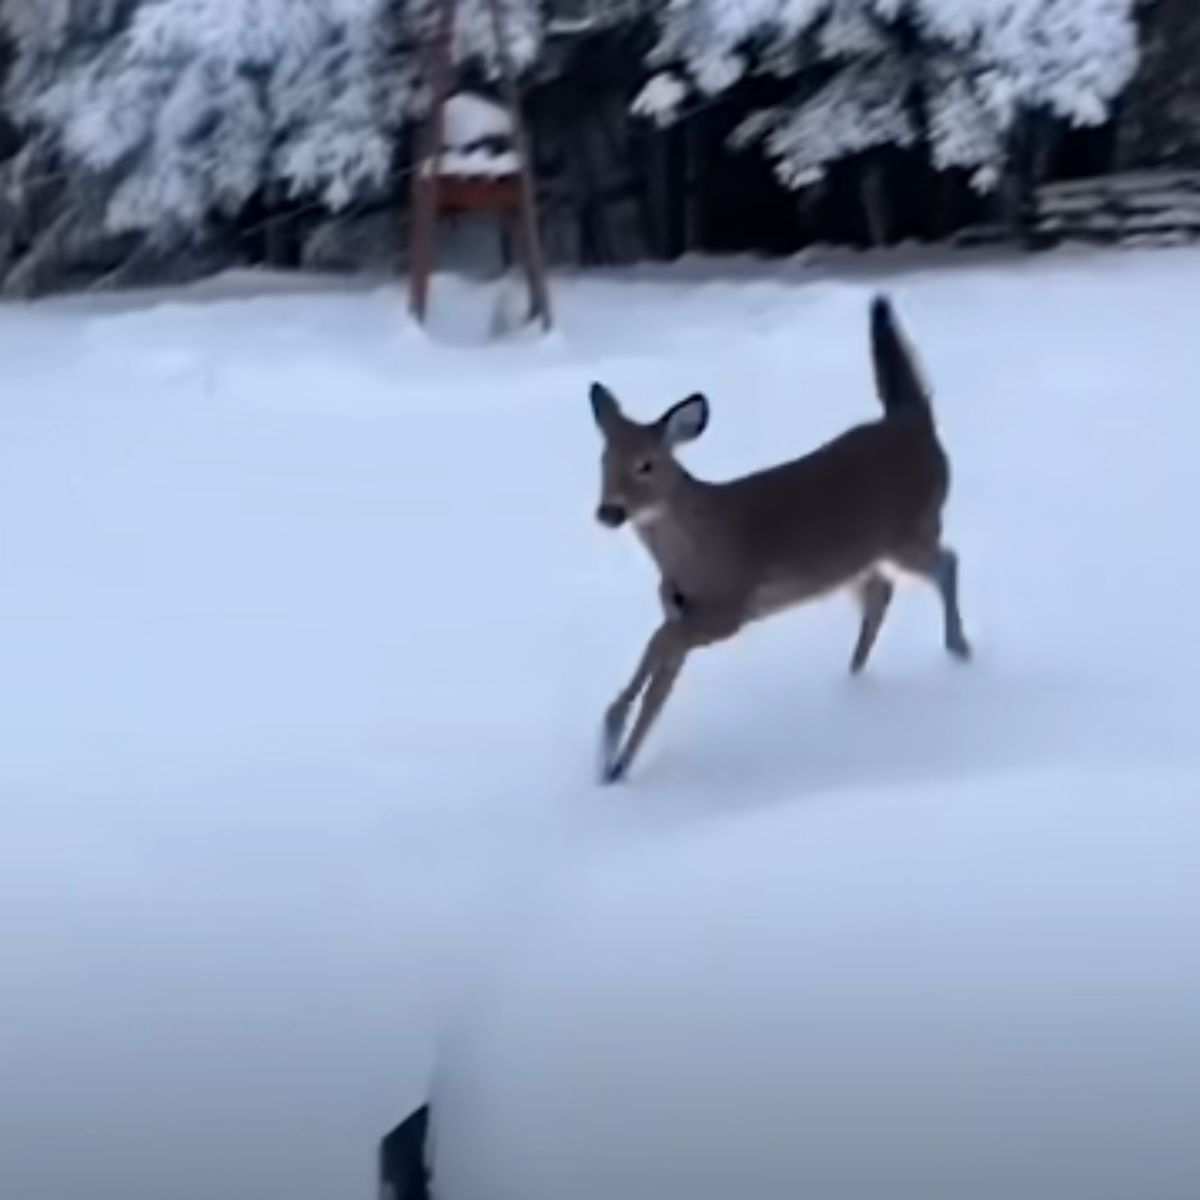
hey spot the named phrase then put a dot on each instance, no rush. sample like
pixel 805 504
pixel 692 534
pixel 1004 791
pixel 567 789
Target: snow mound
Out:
pixel 469 119
pixel 984 989
pixel 475 164
pixel 477 139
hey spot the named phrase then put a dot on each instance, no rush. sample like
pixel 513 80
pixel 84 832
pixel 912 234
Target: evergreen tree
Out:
pixel 195 106
pixel 474 42
pixel 164 123
pixel 953 76
pixel 47 211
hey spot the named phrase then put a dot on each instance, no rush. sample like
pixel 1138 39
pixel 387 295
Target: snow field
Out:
pixel 308 628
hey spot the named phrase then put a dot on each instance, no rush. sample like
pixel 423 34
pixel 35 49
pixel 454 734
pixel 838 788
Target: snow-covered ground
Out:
pixel 306 625
pixel 979 987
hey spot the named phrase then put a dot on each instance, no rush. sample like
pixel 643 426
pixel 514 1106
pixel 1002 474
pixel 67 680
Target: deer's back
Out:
pixel 816 522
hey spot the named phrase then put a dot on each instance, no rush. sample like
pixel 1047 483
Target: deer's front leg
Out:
pixel 657 650
pixel 657 672
pixel 662 681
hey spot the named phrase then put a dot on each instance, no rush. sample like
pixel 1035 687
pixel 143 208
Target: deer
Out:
pixel 849 516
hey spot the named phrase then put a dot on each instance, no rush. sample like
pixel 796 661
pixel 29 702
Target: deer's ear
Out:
pixel 685 422
pixel 605 408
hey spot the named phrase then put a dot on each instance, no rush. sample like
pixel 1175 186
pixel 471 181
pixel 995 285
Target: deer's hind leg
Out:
pixel 875 597
pixel 938 563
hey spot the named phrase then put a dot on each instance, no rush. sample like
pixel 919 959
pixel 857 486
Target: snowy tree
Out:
pixel 148 125
pixel 475 42
pixel 952 76
pixel 199 104
pixel 47 35
pixel 46 212
pixel 337 105
pixel 166 118
pixel 171 115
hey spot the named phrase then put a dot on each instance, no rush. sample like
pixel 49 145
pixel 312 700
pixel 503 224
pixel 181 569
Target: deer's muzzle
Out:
pixel 612 515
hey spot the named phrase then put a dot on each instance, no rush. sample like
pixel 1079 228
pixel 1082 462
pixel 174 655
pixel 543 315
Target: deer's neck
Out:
pixel 679 534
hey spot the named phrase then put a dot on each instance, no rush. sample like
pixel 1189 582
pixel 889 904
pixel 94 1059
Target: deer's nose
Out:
pixel 612 515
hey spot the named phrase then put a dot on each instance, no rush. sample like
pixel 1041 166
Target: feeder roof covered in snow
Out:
pixel 477 138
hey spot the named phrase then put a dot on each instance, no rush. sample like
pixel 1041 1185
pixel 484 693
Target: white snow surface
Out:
pixel 477 164
pixel 983 987
pixel 307 628
pixel 472 121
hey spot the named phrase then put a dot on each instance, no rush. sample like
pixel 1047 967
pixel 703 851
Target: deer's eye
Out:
pixel 645 467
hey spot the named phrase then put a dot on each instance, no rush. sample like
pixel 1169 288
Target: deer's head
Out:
pixel 638 471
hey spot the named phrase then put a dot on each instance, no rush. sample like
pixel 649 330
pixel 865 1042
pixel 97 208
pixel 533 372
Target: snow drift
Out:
pixel 980 989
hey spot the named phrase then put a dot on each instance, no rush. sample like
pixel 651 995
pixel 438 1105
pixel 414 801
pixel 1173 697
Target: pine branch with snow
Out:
pixel 661 98
pixel 190 108
pixel 474 36
pixel 861 108
pixel 952 75
pixel 337 107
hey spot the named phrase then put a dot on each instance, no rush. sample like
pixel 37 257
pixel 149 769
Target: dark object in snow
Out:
pixel 403 1173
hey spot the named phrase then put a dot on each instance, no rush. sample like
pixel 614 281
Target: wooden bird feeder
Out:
pixel 473 157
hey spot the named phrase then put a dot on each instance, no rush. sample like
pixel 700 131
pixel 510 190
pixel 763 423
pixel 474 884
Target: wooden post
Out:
pixel 428 156
pixel 531 242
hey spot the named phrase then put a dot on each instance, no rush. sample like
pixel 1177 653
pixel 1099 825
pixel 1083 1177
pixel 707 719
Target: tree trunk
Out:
pixel 1028 159
pixel 29 275
pixel 872 185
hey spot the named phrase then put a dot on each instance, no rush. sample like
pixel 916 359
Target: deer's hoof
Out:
pixel 960 649
pixel 612 764
pixel 613 771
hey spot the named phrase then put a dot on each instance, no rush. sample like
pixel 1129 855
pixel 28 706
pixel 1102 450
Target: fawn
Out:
pixel 844 516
